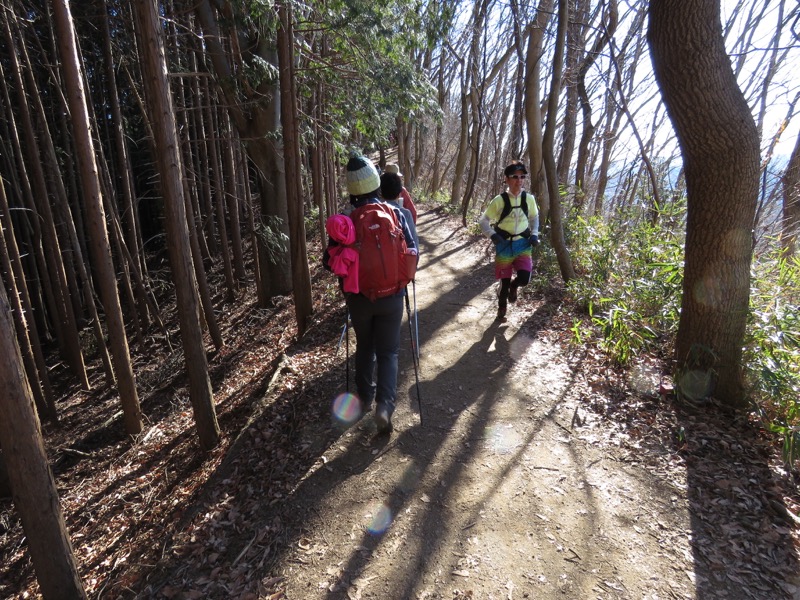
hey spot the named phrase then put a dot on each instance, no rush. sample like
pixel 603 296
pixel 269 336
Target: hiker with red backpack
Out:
pixel 511 221
pixel 386 262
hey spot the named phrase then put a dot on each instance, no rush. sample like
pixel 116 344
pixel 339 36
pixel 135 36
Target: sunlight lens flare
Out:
pixel 346 408
pixel 380 520
pixel 502 438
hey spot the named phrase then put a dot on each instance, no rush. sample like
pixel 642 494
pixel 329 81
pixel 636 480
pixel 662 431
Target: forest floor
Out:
pixel 534 470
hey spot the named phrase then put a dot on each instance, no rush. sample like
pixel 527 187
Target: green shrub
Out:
pixel 630 277
pixel 629 281
pixel 772 348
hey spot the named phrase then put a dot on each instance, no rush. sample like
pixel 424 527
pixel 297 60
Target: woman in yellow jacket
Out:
pixel 511 221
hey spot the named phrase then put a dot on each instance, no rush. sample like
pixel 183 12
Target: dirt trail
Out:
pixel 504 490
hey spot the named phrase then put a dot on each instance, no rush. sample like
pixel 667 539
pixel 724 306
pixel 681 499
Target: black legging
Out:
pixel 523 278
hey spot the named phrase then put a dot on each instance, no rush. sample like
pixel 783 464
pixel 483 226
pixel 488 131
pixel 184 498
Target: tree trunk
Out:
pixel 257 120
pixel 222 221
pixel 548 154
pixel 47 405
pixel 609 137
pixel 67 328
pixel 576 40
pixel 533 112
pixel 29 229
pixel 7 248
pixel 74 245
pixel 203 290
pixel 168 158
pixel 463 140
pixel 301 279
pixel 216 184
pixel 232 203
pixel 32 484
pixel 316 151
pixel 610 19
pixel 720 148
pixel 130 212
pixel 791 203
pixel 96 219
pixel 436 175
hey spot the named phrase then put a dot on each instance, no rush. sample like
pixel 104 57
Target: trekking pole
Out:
pixel 414 359
pixel 341 337
pixel 347 351
pixel 416 316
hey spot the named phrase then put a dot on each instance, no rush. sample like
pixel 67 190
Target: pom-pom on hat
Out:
pixel 362 176
pixel 393 168
pixel 515 167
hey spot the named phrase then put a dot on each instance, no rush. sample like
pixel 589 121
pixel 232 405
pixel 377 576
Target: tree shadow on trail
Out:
pixel 435 522
pixel 741 532
pixel 475 384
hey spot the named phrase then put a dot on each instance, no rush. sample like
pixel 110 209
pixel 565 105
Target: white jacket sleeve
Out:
pixel 533 223
pixel 486 225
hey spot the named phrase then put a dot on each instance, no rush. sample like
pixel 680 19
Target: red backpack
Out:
pixel 385 264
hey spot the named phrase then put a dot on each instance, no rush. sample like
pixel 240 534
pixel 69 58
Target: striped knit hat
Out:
pixel 362 176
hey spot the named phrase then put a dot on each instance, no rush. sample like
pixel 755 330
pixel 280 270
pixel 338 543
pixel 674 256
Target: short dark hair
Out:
pixel 391 186
pixel 514 167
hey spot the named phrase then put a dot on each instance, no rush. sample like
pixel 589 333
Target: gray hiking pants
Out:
pixel 377 327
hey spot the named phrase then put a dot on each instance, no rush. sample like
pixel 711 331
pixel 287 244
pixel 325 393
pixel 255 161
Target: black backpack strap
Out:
pixel 506 207
pixel 523 204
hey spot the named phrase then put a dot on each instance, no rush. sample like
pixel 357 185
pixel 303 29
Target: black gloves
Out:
pixel 496 238
pixel 533 240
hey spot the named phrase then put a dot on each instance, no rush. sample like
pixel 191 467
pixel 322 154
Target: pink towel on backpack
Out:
pixel 343 258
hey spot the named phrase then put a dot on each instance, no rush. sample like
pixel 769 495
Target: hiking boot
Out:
pixel 501 313
pixel 383 421
pixel 512 293
pixel 366 405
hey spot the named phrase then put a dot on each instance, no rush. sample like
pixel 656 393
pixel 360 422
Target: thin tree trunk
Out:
pixel 201 159
pixel 216 184
pixel 96 220
pixel 69 229
pixel 557 228
pixel 463 140
pixel 9 262
pixel 66 325
pixel 232 203
pixel 15 270
pixel 576 41
pixel 791 203
pixel 436 175
pixel 533 112
pixel 610 20
pixel 30 233
pixel 200 275
pixel 301 279
pixel 154 70
pixel 316 152
pixel 130 213
pixel 222 225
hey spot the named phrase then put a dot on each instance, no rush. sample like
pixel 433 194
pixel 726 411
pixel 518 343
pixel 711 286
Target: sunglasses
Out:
pixel 517 176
